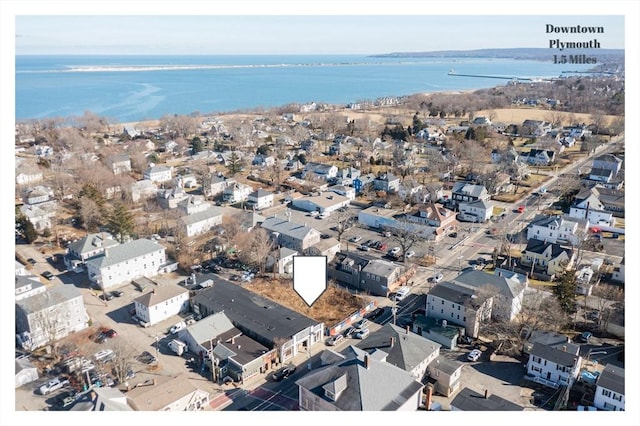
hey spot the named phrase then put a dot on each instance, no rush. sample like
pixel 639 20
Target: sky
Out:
pixel 297 34
pixel 302 27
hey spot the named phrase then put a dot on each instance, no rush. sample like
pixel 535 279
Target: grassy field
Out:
pixel 518 115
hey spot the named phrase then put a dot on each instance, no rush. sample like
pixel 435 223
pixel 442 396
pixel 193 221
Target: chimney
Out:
pixel 233 340
pixel 407 329
pixel 486 393
pixel 427 399
pixel 366 361
pixel 564 348
pixel 153 381
pixel 153 291
pixel 391 342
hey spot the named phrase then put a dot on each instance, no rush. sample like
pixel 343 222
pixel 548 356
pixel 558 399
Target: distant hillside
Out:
pixel 514 53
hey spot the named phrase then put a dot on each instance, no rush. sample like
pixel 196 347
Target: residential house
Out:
pixel 601 175
pixel 218 184
pixel 618 272
pixel 359 382
pixel 281 262
pixel 535 128
pixel 387 182
pixel 345 191
pixel 126 262
pixel 470 400
pixel 548 258
pixel 612 200
pixel 131 131
pixel 169 198
pixel 50 315
pixel 26 372
pixel 186 181
pixel 193 204
pixel 37 195
pixel 547 338
pixel 119 163
pixel 346 176
pixel 320 170
pixel 609 393
pixel 162 302
pixel 323 202
pixel 459 305
pixel 271 324
pixel 554 366
pixel 478 211
pixel 328 247
pixel 27 286
pixel 435 216
pixel 540 157
pixel 465 192
pixel 201 221
pixel 416 355
pixel 558 229
pixel 28 174
pixel 291 234
pixel 91 245
pixel 507 291
pixel 143 190
pixel 40 215
pixel 260 200
pixel 584 284
pixel 366 274
pixel 263 160
pixel 587 205
pixel 481 121
pixel 247 220
pixel 201 335
pixel 608 162
pixel 158 173
pixel 236 193
pixel 166 393
pixel 362 183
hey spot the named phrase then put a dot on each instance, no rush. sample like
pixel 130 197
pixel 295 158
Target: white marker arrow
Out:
pixel 310 277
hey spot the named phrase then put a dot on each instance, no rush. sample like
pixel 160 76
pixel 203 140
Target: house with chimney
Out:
pixel 269 323
pixel 87 247
pixel 367 274
pixel 260 199
pixel 158 173
pixel 119 163
pixel 547 258
pixel 558 229
pixel 235 355
pixel 554 365
pixel 587 205
pixel 436 216
pixel 469 400
pixel 169 198
pixel 161 302
pixel 359 381
pixel 465 192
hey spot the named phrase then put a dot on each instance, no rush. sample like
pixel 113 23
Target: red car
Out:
pixel 111 333
pixel 520 209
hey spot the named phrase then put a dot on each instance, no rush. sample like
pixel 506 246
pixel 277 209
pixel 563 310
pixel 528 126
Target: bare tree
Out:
pixel 254 248
pixel 406 234
pixel 122 360
pixel 605 296
pixel 90 213
pixel 342 221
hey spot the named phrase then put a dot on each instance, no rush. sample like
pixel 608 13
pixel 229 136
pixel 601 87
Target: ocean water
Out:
pixel 134 88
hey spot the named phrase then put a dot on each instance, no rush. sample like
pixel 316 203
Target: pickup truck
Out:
pixel 53 385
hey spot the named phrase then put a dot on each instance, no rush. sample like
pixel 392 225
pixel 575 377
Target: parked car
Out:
pixel 355 239
pixel 104 355
pixel 284 372
pixel 350 332
pixel 474 355
pixel 111 333
pixel 410 254
pixel 53 385
pixel 117 293
pixel 101 337
pixel 362 334
pixel 361 324
pixel 585 337
pixel 363 247
pixel 437 278
pixel 32 261
pixel 521 209
pixel 314 214
pixel 106 296
pixel 177 327
pixel 146 358
pixel 402 293
pixel 394 251
pixel 453 235
pixel 48 275
pixel 334 340
pixel 376 313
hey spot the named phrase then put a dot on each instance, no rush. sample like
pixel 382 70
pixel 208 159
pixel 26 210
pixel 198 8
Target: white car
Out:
pixel 355 239
pixel 362 334
pixel 437 278
pixel 53 385
pixel 410 254
pixel 394 251
pixel 474 355
pixel 104 355
pixel 332 341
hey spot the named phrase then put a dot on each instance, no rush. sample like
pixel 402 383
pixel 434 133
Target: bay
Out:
pixel 135 88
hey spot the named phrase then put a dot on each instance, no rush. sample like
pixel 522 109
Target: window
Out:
pixel 451 314
pixel 464 319
pixel 453 306
pixel 432 307
pixel 458 308
pixel 606 392
pixel 458 316
pixel 442 311
pixel 443 301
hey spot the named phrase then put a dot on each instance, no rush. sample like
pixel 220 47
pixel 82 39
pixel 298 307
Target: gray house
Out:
pixel 365 273
pixel 359 381
pixel 269 323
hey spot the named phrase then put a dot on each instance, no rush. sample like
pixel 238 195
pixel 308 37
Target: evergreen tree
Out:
pixel 235 163
pixel 120 222
pixel 565 291
pixel 196 145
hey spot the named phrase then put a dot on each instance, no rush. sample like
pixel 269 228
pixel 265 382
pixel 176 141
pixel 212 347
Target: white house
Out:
pixel 126 262
pixel 236 193
pixel 554 366
pixel 48 316
pixel 143 190
pixel 345 191
pixel 558 229
pixel 162 302
pixel 610 389
pixel 167 393
pixel 85 248
pixel 587 205
pixel 201 222
pixel 260 199
pixel 475 211
pixel 324 202
pixel 169 198
pixel 40 215
pixel 158 173
pixel 193 204
pixel 27 286
pixel 323 171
